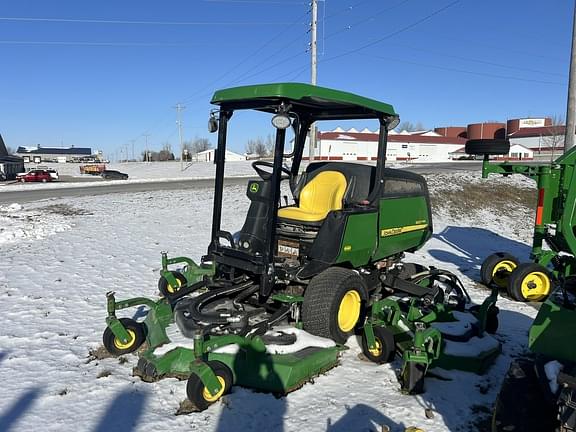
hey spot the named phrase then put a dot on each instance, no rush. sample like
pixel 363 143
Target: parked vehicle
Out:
pixel 114 175
pixel 53 172
pixel 94 169
pixel 35 176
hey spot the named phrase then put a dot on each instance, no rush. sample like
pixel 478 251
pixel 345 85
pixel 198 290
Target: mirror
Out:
pixel 212 124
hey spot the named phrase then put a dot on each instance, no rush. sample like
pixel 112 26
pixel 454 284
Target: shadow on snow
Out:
pixel 473 245
pixel 18 409
pixel 123 413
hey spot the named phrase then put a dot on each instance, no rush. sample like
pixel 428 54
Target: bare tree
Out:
pixel 270 144
pixel 554 137
pixel 410 127
pixel 257 147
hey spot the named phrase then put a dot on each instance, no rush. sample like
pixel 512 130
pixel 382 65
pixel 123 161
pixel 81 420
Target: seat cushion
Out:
pixel 323 194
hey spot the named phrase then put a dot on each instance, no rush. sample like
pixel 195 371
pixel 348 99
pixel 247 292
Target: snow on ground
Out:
pixel 59 257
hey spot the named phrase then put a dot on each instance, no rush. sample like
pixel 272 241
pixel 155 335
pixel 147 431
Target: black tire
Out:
pixel 487 146
pixel 529 282
pixel 166 289
pixel 323 298
pixel 117 348
pixel 497 268
pixel 197 393
pixel 386 348
pixel 410 269
pixel 492 322
pixel 521 404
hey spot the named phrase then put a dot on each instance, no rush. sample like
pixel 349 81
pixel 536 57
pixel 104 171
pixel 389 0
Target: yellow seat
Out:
pixel 323 194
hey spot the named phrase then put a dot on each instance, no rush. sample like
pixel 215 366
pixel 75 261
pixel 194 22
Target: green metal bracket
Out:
pixel 192 272
pixel 118 329
pixel 369 333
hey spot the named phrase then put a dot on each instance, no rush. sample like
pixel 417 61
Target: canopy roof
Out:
pixel 319 103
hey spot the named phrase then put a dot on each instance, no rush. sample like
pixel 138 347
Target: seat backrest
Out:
pixel 359 177
pixel 323 193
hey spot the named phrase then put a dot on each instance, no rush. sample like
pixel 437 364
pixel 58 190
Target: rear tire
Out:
pixel 529 282
pixel 497 269
pixel 521 404
pixel 333 303
pixel 199 395
pixel 487 146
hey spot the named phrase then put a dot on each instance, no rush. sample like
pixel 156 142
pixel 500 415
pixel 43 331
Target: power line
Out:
pixel 130 22
pixel 109 44
pixel 482 61
pixel 394 33
pixel 490 75
pixel 242 62
pixel 370 18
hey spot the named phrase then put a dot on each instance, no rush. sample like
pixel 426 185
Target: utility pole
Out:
pixel 313 46
pixel 146 147
pixel 179 107
pixel 133 141
pixel 571 105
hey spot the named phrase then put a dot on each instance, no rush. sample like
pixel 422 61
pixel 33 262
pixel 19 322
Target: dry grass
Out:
pixel 497 198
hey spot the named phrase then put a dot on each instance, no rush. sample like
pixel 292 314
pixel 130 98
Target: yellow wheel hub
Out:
pixel 377 350
pixel 501 272
pixel 208 397
pixel 535 286
pixel 349 311
pixel 122 346
pixel 172 289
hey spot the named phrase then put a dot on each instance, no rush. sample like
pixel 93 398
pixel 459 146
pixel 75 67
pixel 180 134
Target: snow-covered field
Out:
pixel 59 257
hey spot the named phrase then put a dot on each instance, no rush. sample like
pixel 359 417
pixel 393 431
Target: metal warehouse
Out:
pixel 40 154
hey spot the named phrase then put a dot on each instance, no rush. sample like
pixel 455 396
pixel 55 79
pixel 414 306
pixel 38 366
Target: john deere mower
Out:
pixel 554 225
pixel 270 306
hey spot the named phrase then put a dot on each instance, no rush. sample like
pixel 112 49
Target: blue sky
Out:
pixel 102 74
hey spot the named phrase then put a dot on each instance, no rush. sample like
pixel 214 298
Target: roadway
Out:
pixel 22 196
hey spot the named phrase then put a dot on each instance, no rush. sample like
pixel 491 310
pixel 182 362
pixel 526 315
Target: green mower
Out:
pixel 539 391
pixel 554 225
pixel 270 306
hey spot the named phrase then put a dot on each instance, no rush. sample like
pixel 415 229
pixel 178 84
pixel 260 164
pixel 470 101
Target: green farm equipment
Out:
pixel 271 305
pixel 539 392
pixel 554 225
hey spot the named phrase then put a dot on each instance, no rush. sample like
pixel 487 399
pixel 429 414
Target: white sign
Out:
pixel 532 122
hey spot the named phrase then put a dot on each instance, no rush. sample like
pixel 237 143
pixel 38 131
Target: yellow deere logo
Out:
pixel 254 187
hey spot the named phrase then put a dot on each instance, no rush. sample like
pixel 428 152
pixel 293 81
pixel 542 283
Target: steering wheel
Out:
pixel 267 175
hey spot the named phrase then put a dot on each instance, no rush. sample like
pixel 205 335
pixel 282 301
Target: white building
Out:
pixel 421 146
pixel 208 156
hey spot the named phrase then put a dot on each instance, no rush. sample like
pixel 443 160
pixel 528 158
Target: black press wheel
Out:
pixel 521 404
pixel 166 289
pixel 385 347
pixel 116 347
pixel 492 322
pixel 199 395
pixel 497 269
pixel 529 282
pixel 333 303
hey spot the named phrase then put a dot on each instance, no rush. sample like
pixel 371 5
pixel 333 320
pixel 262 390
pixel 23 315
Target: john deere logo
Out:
pixel 254 187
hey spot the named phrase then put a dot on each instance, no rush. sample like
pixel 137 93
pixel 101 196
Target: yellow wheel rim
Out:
pixel 208 397
pixel 501 272
pixel 122 346
pixel 377 350
pixel 535 286
pixel 172 289
pixel 349 311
